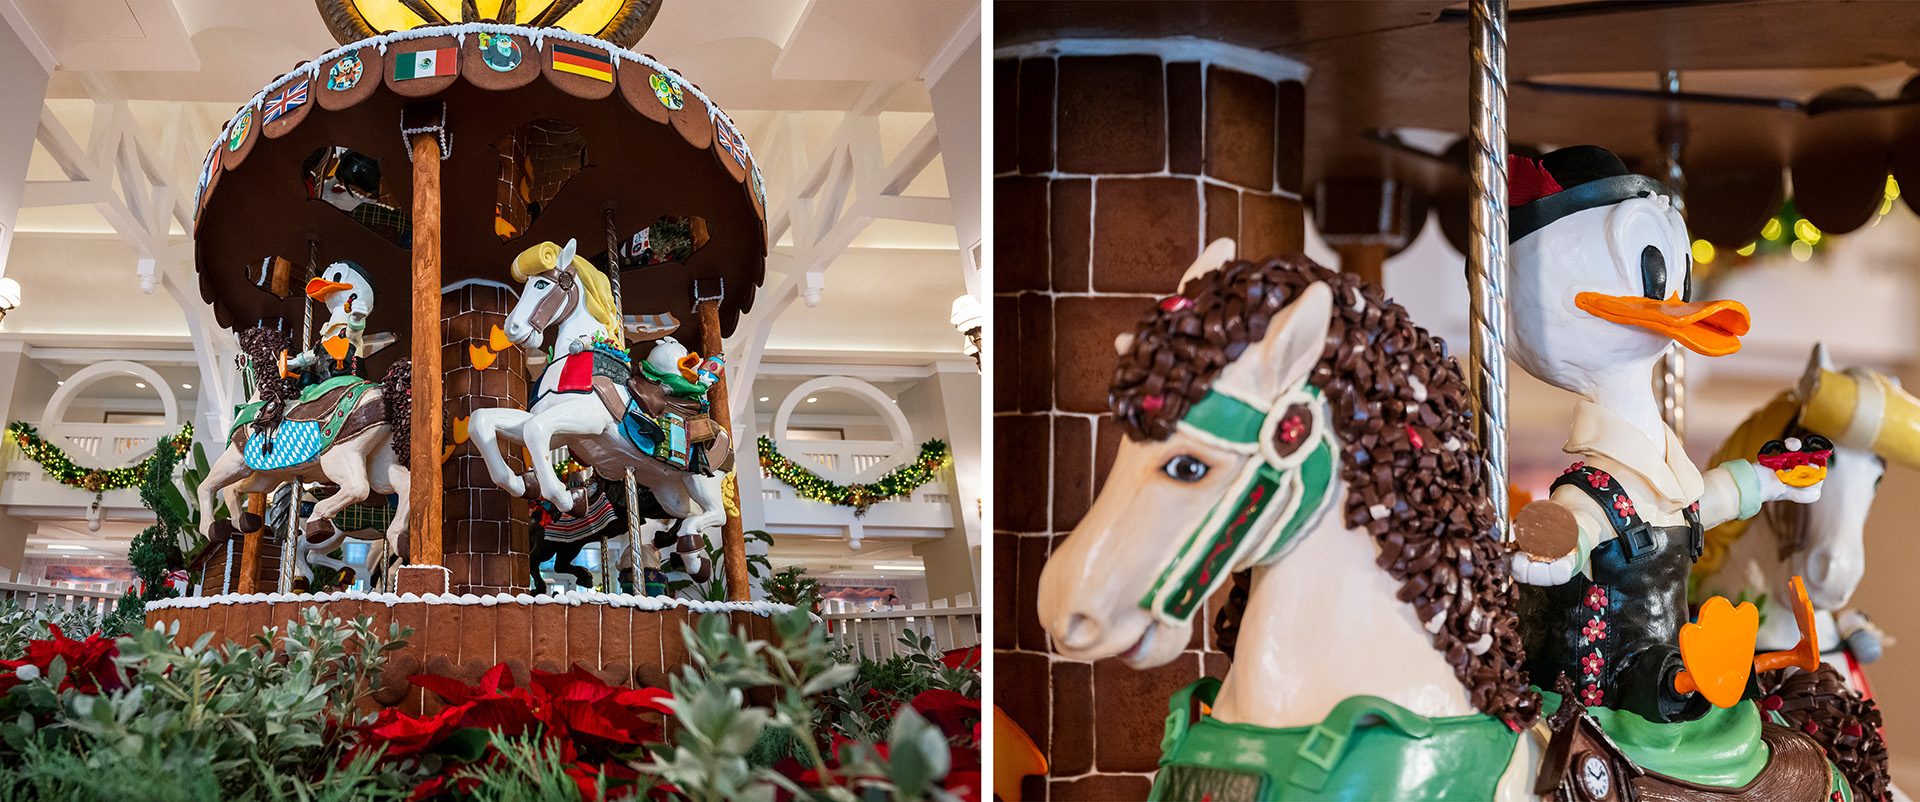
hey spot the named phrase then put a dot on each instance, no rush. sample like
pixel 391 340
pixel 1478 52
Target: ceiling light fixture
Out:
pixel 811 400
pixel 971 321
pixel 763 399
pixel 897 567
pixel 141 385
pixel 65 547
pixel 9 296
pixel 185 386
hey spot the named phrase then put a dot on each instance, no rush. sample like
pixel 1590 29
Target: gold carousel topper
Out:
pixel 618 21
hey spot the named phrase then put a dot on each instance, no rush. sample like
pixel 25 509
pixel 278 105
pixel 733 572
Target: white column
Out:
pixel 23 90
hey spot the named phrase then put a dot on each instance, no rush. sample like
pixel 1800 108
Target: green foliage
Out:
pixel 129 616
pixel 860 709
pixel 719 730
pixel 791 585
pixel 934 455
pixel 715 589
pixel 19 625
pixel 200 722
pixel 527 769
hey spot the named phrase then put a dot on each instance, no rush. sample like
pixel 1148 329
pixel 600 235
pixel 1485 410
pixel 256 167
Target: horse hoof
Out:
pixel 405 551
pixel 319 532
pixel 221 532
pixel 300 584
pixel 702 573
pixel 249 522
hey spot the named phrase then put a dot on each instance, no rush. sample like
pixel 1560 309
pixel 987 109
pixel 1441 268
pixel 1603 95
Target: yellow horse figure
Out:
pixel 1870 420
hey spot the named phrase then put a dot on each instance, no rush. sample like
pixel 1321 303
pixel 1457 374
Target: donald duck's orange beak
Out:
pixel 319 288
pixel 1712 328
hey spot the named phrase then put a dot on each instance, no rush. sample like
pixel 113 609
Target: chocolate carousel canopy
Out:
pixel 1377 68
pixel 654 146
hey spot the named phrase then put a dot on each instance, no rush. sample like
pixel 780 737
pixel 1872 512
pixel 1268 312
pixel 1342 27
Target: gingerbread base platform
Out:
pixel 634 641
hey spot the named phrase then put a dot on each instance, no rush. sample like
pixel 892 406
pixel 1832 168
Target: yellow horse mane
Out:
pixel 1770 422
pixel 598 291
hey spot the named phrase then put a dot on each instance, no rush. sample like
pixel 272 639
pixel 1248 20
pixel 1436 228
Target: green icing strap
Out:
pixel 1316 475
pixel 1746 477
pixel 1180 710
pixel 1227 418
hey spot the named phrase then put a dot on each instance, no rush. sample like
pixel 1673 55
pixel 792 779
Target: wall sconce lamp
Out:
pixel 969 319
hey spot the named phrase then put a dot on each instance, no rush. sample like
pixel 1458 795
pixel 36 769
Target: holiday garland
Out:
pixel 63 470
pixel 900 481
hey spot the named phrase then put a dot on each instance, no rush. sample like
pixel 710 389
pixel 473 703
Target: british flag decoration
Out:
pixel 730 141
pixel 288 99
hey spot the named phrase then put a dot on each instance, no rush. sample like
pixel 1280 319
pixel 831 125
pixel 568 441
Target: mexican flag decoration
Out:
pixel 425 64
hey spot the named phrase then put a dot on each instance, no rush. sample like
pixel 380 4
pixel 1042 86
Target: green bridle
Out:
pixel 1275 497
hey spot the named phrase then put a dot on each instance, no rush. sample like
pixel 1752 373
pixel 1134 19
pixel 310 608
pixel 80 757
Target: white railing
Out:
pixel 106 445
pixel 874 634
pixel 95 597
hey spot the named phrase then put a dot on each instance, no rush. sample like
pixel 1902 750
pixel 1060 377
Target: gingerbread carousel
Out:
pixel 481 269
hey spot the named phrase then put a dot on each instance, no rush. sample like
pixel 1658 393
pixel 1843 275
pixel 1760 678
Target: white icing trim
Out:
pixel 572 598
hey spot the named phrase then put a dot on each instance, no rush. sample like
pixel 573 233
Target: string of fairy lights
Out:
pixel 64 470
pixel 934 455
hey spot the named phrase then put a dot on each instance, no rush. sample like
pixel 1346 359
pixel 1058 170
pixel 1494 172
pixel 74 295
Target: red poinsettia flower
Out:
pixel 961 658
pixel 404 734
pixel 90 667
pixel 953 713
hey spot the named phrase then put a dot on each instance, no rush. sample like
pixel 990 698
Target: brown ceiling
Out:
pixel 1404 64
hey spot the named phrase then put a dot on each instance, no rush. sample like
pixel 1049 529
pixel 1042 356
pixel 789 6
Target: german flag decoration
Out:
pixel 585 61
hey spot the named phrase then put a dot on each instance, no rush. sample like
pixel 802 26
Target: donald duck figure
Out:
pixel 343 344
pixel 1602 279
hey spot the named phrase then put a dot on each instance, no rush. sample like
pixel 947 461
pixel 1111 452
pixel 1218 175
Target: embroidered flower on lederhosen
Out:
pixel 1623 505
pixel 1596 598
pixel 1599 479
pixel 1574 467
pixel 1591 695
pixel 1590 665
pixel 1595 629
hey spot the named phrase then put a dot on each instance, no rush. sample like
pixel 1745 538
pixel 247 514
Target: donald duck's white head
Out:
pixel 1602 279
pixel 670 357
pixel 348 294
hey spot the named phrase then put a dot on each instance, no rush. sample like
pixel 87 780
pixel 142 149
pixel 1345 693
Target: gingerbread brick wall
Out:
pixel 484 542
pixel 1111 172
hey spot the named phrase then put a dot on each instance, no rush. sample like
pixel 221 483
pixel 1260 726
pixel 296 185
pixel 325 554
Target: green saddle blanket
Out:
pixel 1366 748
pixel 1722 748
pixel 330 426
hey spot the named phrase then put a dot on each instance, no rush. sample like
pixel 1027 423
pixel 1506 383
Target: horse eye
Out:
pixel 1186 468
pixel 540 285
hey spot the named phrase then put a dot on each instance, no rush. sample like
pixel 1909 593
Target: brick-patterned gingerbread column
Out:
pixel 485 544
pixel 1112 171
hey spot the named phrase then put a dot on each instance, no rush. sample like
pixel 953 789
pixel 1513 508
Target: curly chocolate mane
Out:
pixel 1401 410
pixel 1846 725
pixel 262 346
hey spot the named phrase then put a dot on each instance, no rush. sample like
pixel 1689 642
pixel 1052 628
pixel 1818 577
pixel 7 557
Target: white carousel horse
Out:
pixel 1257 471
pixel 1870 420
pixel 564 290
pixel 1286 419
pixel 278 439
pixel 347 526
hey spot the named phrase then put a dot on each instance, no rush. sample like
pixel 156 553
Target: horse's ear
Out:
pixel 1296 337
pixel 1218 253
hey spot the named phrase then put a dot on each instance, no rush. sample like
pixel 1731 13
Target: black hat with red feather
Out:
pixel 1573 179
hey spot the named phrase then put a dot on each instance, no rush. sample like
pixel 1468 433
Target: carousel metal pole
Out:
pixel 1487 241
pixel 619 336
pixel 423 463
pixel 1670 379
pixel 287 545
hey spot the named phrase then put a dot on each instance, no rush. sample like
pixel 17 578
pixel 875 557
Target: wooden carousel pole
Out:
pixel 1487 243
pixel 250 546
pixel 733 538
pixel 425 126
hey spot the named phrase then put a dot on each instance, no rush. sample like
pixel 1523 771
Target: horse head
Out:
pixel 1870 420
pixel 559 285
pixel 1130 578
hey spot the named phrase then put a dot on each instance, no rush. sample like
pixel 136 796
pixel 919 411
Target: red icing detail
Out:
pixel 1771 703
pixel 1820 457
pixel 577 374
pixel 1152 403
pixel 1591 695
pixel 1623 505
pixel 1414 437
pixel 1784 461
pixel 1574 467
pixel 1291 429
pixel 1595 629
pixel 1854 730
pixel 1810 727
pixel 1590 665
pixel 1596 598
pixel 1528 181
pixel 1599 479
pixel 1174 303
